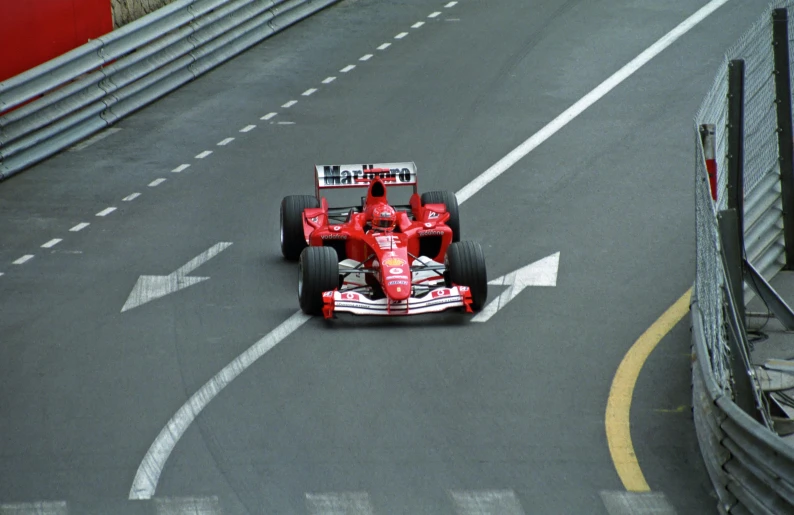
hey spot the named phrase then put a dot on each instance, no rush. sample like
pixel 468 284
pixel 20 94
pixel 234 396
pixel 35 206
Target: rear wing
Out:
pixel 360 175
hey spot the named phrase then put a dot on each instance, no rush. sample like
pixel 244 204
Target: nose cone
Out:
pixel 396 278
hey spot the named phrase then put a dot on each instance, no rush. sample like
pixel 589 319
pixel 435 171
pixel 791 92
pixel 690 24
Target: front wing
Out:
pixel 435 301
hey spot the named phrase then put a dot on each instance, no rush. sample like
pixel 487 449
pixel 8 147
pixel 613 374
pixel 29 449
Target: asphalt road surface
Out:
pixel 428 415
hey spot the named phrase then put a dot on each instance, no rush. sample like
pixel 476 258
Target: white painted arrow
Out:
pixel 150 287
pixel 540 273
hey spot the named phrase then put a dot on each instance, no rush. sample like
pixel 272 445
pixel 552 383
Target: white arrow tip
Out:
pixel 542 272
pixel 150 287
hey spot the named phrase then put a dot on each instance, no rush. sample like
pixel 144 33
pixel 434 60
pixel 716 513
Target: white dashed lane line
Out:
pixel 347 68
pixel 417 24
pixel 286 123
pixel 156 182
pixel 401 35
pixel 329 80
pixel 384 46
pixel 366 57
pixel 79 227
pixel 53 242
pixel 180 168
pixel 248 128
pixel 106 211
pixel 451 4
pixel 309 92
pixel 433 15
pixel 23 259
pixel 289 104
pixel 224 142
pixel 204 154
pixel 131 197
pixel 268 116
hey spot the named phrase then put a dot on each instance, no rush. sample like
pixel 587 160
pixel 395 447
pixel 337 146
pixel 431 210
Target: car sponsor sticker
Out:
pixel 333 236
pixel 397 277
pixel 394 261
pixel 393 283
pixel 328 294
pixel 431 233
pixel 443 292
pixel 395 270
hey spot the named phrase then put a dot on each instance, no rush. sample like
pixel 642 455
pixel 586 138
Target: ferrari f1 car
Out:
pixel 376 258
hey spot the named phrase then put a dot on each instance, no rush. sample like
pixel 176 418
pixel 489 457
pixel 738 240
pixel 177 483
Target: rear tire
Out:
pixel 293 241
pixel 318 272
pixel 451 202
pixel 465 264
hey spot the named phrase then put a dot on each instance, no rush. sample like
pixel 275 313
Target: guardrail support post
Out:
pixel 728 221
pixel 736 142
pixel 784 129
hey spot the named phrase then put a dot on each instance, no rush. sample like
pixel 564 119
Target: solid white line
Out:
pixel 148 473
pixel 591 98
pixel 365 57
pixel 132 197
pixel 451 4
pixel 268 116
pixel 486 502
pixel 417 24
pixel 309 91
pixel 329 80
pixel 339 503
pixel 290 103
pixel 248 128
pixel 186 506
pixel 79 227
pixel 156 182
pixel 401 35
pixel 35 508
pixel 384 46
pixel 433 15
pixel 23 259
pixel 53 242
pixel 636 503
pixel 347 68
pixel 106 211
pixel 180 168
pixel 225 141
pixel 145 482
pixel 204 154
pixel 90 141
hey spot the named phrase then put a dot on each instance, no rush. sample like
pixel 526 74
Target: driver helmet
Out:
pixel 384 218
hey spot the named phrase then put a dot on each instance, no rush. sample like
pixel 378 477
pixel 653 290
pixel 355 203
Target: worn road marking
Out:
pixel 53 242
pixel 24 259
pixel 204 154
pixel 636 503
pixel 268 116
pixel 248 128
pixel 434 14
pixel 451 4
pixel 35 508
pixel 339 503
pixel 156 182
pixel 106 211
pixel 486 502
pixel 347 68
pixel 329 80
pixel 591 98
pixel 309 92
pixel 187 506
pixel 401 35
pixel 130 198
pixel 384 46
pixel 79 227
pixel 365 57
pixel 617 418
pixel 417 24
pixel 286 123
pixel 289 104
pixel 225 141
pixel 180 168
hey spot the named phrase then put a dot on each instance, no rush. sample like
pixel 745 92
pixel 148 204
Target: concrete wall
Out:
pixel 125 11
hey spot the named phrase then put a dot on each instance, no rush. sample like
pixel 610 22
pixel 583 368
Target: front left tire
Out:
pixel 293 240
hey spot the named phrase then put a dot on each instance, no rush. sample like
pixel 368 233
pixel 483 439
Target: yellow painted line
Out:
pixel 617 420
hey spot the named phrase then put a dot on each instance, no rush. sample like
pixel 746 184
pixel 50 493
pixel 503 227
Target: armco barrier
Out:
pixel 751 468
pixel 62 101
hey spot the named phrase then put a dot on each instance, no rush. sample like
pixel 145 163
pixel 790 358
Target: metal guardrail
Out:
pixel 62 101
pixel 751 468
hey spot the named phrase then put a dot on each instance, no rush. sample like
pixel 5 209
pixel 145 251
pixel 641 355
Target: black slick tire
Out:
pixel 293 240
pixel 465 264
pixel 318 272
pixel 449 199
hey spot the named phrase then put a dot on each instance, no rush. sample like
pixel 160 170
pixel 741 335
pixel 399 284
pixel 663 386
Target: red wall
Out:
pixel 35 31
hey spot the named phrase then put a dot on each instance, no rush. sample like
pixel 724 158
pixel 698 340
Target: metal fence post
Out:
pixel 784 130
pixel 736 165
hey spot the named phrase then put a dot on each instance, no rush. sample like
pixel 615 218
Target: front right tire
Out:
pixel 318 272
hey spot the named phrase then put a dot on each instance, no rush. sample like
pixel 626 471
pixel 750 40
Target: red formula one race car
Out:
pixel 375 258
